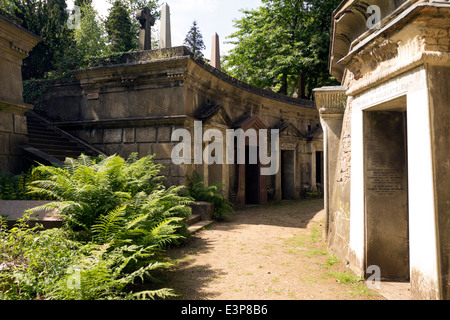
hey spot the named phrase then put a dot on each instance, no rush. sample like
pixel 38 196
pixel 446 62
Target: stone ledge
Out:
pixel 15 209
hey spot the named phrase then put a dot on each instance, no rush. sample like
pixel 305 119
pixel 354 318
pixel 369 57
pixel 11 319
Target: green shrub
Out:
pixel 213 194
pixel 111 192
pixel 118 219
pixel 15 187
pixel 39 264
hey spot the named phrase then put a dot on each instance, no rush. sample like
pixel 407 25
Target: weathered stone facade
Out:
pixel 388 179
pixel 15 44
pixel 135 105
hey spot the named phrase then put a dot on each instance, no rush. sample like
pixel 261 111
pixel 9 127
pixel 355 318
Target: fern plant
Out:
pixel 213 194
pixel 105 191
pixel 122 218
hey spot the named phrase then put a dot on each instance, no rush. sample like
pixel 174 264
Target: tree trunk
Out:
pixel 301 87
pixel 284 85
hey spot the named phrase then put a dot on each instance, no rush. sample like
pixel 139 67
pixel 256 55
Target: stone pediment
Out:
pixel 289 130
pixel 215 114
pixel 250 123
pixel 317 135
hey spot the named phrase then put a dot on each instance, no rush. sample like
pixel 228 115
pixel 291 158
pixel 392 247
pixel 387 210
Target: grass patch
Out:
pixel 313 253
pixel 344 277
pixel 362 290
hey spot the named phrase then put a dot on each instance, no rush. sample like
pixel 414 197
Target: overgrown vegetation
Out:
pixel 199 192
pixel 14 187
pixel 118 219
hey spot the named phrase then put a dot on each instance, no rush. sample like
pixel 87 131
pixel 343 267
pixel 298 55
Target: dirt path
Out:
pixel 264 253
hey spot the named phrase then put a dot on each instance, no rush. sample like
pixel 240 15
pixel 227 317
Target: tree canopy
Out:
pixel 194 40
pixel 283 45
pixel 120 28
pixel 48 19
pixel 63 48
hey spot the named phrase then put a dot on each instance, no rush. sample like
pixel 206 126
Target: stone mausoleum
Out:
pixel 132 103
pixel 386 142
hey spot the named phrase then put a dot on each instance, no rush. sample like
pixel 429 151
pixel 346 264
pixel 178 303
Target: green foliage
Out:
pixel 213 194
pixel 283 45
pixel 32 260
pixel 118 220
pixel 91 192
pixel 194 40
pixel 134 5
pixel 89 41
pixel 119 28
pixel 48 265
pixel 47 19
pixel 15 187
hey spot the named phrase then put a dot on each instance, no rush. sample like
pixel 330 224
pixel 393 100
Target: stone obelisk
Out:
pixel 215 52
pixel 165 38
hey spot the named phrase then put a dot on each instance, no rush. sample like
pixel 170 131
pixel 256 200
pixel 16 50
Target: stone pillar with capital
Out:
pixel 331 103
pixel 15 45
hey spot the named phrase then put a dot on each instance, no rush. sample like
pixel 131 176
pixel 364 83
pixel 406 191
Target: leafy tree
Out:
pixel 81 3
pixel 283 45
pixel 47 19
pixel 132 6
pixel 120 28
pixel 89 41
pixel 194 40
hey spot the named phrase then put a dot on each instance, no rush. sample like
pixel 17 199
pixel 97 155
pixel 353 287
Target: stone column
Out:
pixel 165 39
pixel 331 103
pixel 215 52
pixel 15 44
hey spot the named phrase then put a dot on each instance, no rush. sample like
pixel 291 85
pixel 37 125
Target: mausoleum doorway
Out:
pixel 386 190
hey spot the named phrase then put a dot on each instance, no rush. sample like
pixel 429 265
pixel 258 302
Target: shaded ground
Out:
pixel 264 253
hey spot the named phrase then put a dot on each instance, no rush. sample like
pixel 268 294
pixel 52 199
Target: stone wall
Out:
pixel 13 130
pixel 135 106
pixel 15 43
pixel 339 207
pixel 439 78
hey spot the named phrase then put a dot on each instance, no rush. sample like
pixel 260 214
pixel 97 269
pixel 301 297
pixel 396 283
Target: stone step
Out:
pixel 193 219
pixel 199 226
pixel 45 139
pixel 13 210
pixel 42 141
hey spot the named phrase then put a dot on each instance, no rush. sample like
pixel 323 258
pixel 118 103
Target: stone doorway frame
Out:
pixel 386 185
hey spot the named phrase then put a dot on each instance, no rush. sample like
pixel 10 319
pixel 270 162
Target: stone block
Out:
pixel 204 209
pixel 20 124
pixel 17 140
pixel 96 136
pixel 177 170
pixel 112 136
pixel 147 134
pixel 112 149
pixel 164 134
pixel 84 135
pixel 145 149
pixel 6 122
pixel 125 150
pixel 163 150
pixel 129 135
pixel 4 143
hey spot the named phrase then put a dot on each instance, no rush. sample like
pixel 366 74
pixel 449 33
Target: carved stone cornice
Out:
pixel 331 101
pixel 369 59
